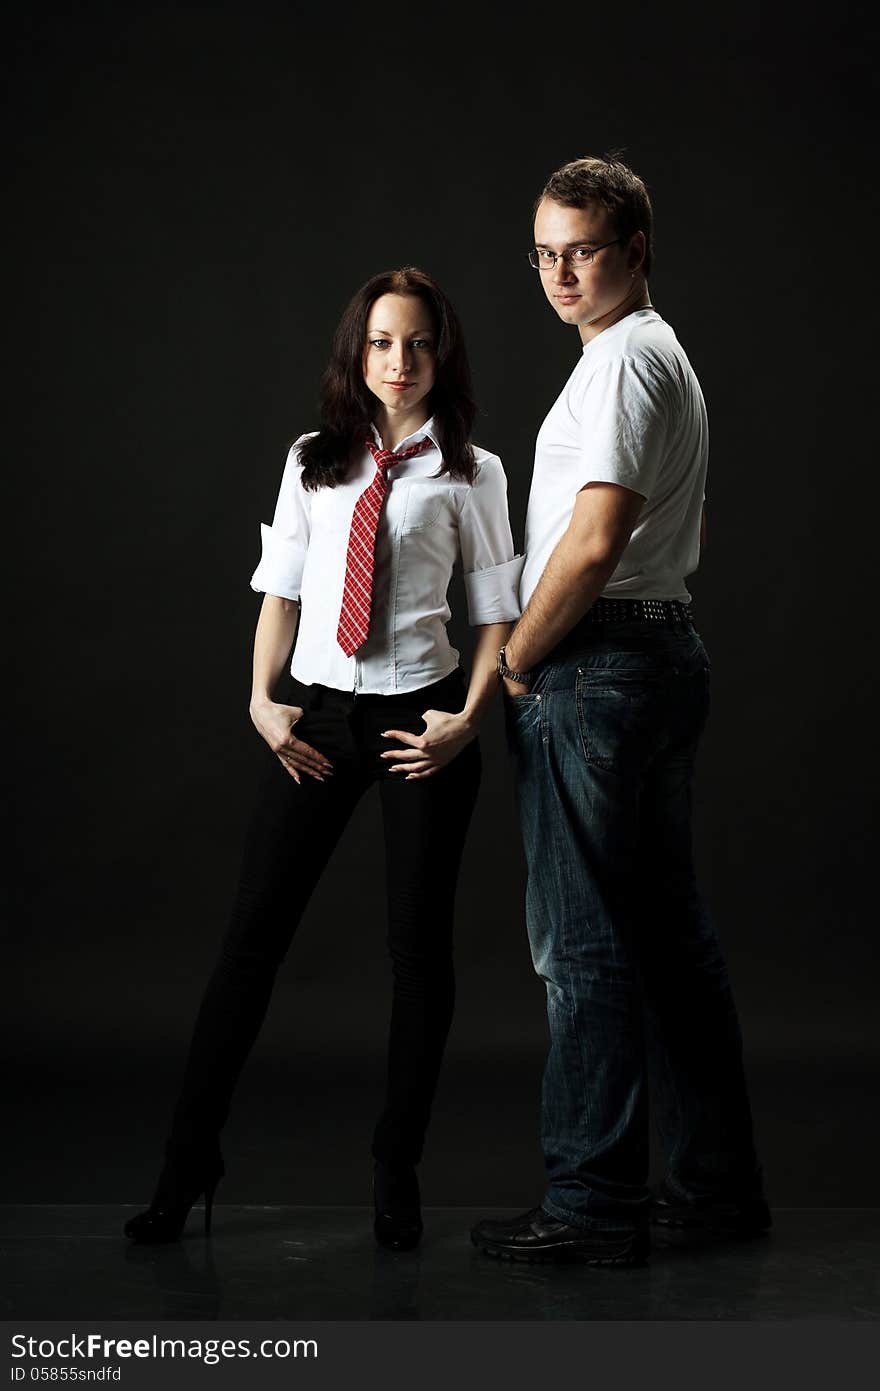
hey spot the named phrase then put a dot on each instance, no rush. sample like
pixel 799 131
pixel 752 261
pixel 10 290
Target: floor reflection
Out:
pixel 322 1263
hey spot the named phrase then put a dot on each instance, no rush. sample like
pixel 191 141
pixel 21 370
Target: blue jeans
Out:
pixel 604 748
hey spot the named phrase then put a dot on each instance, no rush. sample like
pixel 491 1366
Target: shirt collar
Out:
pixel 648 310
pixel 429 429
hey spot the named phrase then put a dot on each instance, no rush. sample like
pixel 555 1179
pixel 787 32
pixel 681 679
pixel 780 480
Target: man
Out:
pixel 607 685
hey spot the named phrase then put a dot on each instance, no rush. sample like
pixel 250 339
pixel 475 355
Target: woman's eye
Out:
pixel 379 342
pixel 421 343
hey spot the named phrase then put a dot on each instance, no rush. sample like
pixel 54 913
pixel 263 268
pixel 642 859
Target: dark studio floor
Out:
pixel 292 1234
pixel 71 1262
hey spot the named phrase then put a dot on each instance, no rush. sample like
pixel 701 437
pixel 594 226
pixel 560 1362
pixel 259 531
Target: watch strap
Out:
pixel 522 677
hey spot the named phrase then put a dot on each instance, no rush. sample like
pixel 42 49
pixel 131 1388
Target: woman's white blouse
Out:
pixel 425 525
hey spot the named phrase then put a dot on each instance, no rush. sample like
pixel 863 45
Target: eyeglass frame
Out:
pixel 565 256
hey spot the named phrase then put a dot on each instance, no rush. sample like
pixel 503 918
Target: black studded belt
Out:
pixel 637 611
pixel 609 611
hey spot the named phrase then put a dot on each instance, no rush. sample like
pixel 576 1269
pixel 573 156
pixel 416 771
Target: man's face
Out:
pixel 580 293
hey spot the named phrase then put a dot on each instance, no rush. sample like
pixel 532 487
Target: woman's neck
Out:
pixel 394 426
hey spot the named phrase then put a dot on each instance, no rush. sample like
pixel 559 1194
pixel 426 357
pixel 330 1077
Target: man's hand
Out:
pixel 445 736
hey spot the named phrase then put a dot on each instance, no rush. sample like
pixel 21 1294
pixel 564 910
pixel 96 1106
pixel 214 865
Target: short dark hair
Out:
pixel 605 183
pixel 347 406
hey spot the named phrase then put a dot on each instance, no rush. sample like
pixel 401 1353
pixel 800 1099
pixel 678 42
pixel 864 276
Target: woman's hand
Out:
pixel 275 723
pixel 445 736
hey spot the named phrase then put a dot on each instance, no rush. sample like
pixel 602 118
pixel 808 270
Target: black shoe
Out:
pixel 165 1218
pixel 680 1222
pixel 536 1236
pixel 397 1217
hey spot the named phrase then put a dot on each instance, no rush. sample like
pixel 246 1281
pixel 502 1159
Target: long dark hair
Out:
pixel 348 406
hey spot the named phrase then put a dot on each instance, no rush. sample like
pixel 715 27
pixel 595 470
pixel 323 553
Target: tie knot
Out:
pixel 386 457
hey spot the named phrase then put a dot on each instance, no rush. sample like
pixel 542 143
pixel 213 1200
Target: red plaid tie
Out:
pixel 354 616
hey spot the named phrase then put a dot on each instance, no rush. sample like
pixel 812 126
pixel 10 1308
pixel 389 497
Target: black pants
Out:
pixel 291 836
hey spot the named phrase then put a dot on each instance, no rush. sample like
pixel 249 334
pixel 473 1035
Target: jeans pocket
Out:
pixel 523 719
pixel 617 714
pixel 324 724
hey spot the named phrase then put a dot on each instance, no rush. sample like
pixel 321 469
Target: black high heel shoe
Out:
pixel 397 1217
pixel 165 1218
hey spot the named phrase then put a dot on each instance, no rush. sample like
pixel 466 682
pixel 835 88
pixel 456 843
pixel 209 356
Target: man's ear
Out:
pixel 635 252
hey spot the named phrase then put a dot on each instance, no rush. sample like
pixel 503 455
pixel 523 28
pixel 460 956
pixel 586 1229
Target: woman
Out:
pixel 374 510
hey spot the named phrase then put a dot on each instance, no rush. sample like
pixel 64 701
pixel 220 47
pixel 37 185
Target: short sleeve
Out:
pixel 625 416
pixel 286 541
pixel 491 570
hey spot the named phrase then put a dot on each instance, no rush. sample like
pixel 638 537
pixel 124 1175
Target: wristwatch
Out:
pixel 523 677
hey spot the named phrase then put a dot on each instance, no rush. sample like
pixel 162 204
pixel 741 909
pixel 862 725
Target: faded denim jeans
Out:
pixel 604 748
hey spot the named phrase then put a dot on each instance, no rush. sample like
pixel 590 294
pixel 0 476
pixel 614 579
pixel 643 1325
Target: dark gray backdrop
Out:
pixel 196 192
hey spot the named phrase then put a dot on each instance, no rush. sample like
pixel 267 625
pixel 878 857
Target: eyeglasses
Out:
pixel 577 256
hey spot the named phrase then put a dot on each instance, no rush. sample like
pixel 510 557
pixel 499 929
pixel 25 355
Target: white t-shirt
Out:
pixel 426 524
pixel 632 413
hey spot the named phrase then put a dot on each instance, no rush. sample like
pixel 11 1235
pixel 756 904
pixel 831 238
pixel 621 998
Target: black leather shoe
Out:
pixel 165 1218
pixel 536 1236
pixel 680 1222
pixel 397 1216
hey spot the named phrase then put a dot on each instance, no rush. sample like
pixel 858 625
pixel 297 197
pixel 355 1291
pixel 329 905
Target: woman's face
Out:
pixel 400 353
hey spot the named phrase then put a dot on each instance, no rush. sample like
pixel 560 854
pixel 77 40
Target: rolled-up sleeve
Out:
pixel 491 570
pixel 286 541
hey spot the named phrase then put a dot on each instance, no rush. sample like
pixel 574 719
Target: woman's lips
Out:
pixel 400 386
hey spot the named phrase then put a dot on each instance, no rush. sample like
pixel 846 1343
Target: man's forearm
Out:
pixel 569 586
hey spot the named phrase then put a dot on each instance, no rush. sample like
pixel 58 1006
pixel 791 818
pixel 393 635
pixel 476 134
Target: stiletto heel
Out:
pixel 165 1218
pixel 397 1217
pixel 209 1205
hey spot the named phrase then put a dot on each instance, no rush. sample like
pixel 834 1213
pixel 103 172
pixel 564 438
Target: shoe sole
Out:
pixel 632 1254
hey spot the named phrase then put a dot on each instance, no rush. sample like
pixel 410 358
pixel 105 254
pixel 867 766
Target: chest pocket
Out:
pixel 423 507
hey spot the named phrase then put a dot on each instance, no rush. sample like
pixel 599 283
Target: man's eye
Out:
pixel 546 258
pixel 582 253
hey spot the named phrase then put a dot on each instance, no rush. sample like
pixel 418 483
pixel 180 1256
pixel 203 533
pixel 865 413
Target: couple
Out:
pixel 606 691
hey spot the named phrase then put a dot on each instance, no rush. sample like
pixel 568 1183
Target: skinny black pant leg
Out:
pixel 291 835
pixel 425 824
